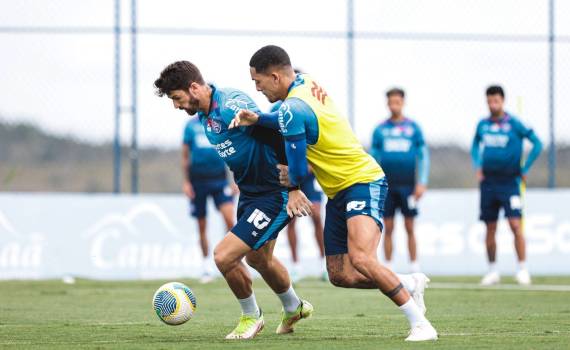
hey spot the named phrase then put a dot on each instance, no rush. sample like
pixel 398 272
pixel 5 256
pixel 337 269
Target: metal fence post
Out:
pixel 117 137
pixel 350 60
pixel 551 112
pixel 134 154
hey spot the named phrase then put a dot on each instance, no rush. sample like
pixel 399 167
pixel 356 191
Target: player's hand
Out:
pixel 284 175
pixel 524 178
pixel 298 204
pixel 480 176
pixel 243 117
pixel 188 190
pixel 419 191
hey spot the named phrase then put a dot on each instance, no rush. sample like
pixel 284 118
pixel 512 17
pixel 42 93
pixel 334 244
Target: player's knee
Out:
pixel 359 260
pixel 339 280
pixel 257 262
pixel 222 260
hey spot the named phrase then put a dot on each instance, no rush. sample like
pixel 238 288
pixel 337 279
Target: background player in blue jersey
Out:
pixel 264 207
pixel 312 190
pixel 205 176
pixel 497 157
pixel 398 146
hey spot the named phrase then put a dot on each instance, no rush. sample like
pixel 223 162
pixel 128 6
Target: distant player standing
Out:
pixel 252 153
pixel 310 188
pixel 500 172
pixel 398 146
pixel 355 184
pixel 204 176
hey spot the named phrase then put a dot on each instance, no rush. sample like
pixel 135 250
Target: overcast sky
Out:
pixel 64 82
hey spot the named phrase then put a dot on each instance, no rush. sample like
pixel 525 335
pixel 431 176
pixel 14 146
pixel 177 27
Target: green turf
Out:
pixel 102 315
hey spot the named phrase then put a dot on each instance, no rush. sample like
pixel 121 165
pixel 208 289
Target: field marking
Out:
pixel 15 325
pixel 516 287
pixel 380 335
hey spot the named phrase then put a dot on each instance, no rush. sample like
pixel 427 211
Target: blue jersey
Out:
pixel 253 163
pixel 397 147
pixel 205 163
pixel 502 141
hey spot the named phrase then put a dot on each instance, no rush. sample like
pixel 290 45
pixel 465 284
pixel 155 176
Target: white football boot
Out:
pixel 523 277
pixel 422 332
pixel 491 278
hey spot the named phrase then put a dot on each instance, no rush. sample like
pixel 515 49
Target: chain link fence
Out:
pixel 70 70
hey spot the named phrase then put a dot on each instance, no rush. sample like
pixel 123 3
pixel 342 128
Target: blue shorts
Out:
pixel 218 190
pixel 261 217
pixel 400 197
pixel 496 196
pixel 358 199
pixel 309 187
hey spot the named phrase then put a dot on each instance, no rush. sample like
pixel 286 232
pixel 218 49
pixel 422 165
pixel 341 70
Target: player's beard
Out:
pixel 194 105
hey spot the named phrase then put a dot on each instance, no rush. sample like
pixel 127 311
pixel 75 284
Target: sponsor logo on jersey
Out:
pixel 495 140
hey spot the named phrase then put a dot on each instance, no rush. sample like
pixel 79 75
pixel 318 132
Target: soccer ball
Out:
pixel 174 303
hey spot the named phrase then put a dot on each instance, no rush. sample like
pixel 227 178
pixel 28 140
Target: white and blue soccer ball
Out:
pixel 174 303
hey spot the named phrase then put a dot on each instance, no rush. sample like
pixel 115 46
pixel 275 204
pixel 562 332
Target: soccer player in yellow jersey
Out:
pixel 315 131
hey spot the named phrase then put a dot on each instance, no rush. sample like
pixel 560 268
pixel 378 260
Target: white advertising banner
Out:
pixel 46 236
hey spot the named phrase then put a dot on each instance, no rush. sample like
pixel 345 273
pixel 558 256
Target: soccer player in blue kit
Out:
pixel 265 206
pixel 500 172
pixel 205 175
pixel 398 146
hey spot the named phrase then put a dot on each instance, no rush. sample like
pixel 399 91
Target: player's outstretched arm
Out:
pixel 246 117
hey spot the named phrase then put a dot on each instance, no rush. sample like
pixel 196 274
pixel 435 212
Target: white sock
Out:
pixel 249 306
pixel 415 266
pixel 413 313
pixel 290 300
pixel 205 266
pixel 492 267
pixel 522 266
pixel 408 281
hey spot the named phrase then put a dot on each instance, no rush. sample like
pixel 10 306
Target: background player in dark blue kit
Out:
pixel 205 176
pixel 501 171
pixel 265 206
pixel 398 146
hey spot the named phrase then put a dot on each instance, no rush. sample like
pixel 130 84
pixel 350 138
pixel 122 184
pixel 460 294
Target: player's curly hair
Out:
pixel 269 56
pixel 177 76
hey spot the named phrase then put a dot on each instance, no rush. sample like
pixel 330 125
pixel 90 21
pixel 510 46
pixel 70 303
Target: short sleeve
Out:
pixel 188 134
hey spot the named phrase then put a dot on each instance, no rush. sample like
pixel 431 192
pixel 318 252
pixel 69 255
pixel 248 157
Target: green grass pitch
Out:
pixel 118 315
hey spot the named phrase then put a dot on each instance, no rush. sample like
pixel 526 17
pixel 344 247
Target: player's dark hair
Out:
pixel 495 90
pixel 396 91
pixel 269 56
pixel 177 76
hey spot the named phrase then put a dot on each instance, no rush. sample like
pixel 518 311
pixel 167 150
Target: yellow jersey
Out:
pixel 337 158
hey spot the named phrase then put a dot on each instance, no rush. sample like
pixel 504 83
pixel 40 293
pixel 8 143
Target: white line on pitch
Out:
pixel 475 286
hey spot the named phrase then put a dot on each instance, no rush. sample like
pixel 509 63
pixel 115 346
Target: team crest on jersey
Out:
pixel 506 127
pixel 408 131
pixel 214 126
